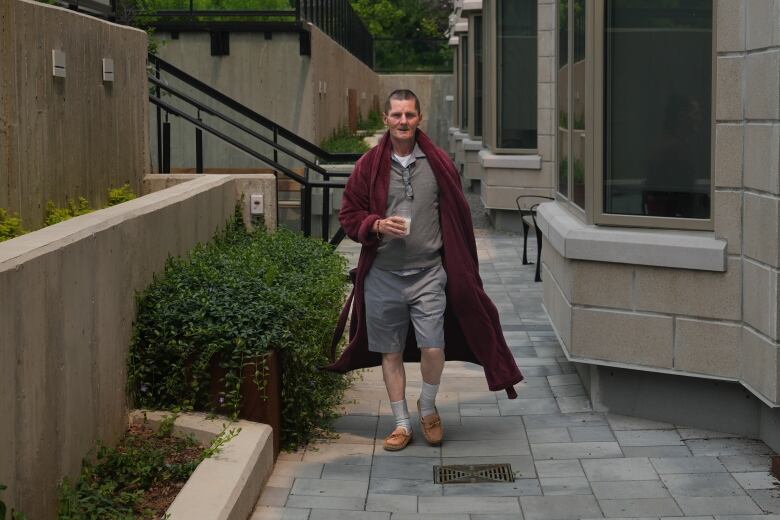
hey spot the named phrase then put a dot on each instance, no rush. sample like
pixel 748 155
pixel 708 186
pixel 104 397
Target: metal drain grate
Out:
pixel 473 473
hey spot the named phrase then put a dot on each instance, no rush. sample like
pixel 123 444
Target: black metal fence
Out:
pixel 337 19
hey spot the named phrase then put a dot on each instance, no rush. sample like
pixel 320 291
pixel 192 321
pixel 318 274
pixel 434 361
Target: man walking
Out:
pixel 417 282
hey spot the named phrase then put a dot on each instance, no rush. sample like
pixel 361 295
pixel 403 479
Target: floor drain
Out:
pixel 473 473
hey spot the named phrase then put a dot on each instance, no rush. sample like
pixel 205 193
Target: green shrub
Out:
pixel 55 214
pixel 241 296
pixel 343 141
pixel 120 195
pixel 372 122
pixel 10 227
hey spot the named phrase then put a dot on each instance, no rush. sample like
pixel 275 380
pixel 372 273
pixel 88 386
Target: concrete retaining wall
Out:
pixel 67 294
pixel 433 91
pixel 72 136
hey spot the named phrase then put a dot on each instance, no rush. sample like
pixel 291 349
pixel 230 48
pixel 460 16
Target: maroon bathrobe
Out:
pixel 472 330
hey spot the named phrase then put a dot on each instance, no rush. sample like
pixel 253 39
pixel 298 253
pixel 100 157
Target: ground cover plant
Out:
pixel 343 140
pixel 234 300
pixel 10 227
pixel 139 478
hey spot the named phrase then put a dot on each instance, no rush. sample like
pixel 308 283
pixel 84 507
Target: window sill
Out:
pixel 575 240
pixel 460 135
pixel 489 159
pixel 471 7
pixel 470 145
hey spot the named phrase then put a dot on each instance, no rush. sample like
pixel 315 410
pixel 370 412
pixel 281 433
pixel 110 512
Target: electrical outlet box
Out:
pixel 108 69
pixel 57 63
pixel 256 204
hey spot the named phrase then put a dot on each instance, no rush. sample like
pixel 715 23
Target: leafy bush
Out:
pixel 239 297
pixel 10 227
pixel 343 141
pixel 55 214
pixel 372 122
pixel 120 195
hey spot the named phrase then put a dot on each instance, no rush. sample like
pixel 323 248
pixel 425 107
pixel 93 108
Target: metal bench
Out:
pixel 528 217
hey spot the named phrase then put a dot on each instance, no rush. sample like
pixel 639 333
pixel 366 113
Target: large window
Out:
pixel 634 98
pixel 464 83
pixel 476 120
pixel 516 107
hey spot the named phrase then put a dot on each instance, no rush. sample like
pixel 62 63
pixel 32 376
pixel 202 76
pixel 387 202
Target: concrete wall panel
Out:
pixel 74 136
pixel 759 364
pixel 762 219
pixel 707 347
pixel 759 298
pixel 557 307
pixel 8 395
pixel 728 219
pixel 727 169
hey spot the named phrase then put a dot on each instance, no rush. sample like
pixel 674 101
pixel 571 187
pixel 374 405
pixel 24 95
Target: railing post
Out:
pixel 297 10
pixel 159 118
pixel 306 204
pixel 276 141
pixel 325 213
pixel 166 142
pixel 198 150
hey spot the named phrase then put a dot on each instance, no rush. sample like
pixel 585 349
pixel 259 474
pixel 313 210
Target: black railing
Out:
pixel 100 8
pixel 163 95
pixel 336 18
pixel 424 55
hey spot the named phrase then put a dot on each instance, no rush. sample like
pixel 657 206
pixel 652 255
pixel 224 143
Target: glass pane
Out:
pixel 477 76
pixel 658 82
pixel 562 82
pixel 517 73
pixel 578 68
pixel 464 83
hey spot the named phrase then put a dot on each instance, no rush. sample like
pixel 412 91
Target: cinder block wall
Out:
pixel 73 136
pixel 700 323
pixel 67 294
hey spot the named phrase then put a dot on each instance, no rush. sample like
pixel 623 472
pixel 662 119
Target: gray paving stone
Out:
pixel 486 448
pixel 718 447
pixel 548 435
pixel 479 410
pixel 747 517
pixel 339 453
pixel 330 514
pixel 648 438
pixel 349 423
pixel 417 448
pixel 666 465
pixel 468 504
pixel 428 516
pixel 718 506
pixel 346 472
pixel 629 489
pixel 624 422
pixel 756 480
pixel 273 496
pixel 279 513
pixel 638 507
pixel 695 433
pixel 330 488
pixel 576 450
pixel 574 404
pixel 392 503
pixel 565 486
pixel 657 451
pixel 544 405
pixel 520 487
pixel 767 499
pixel 591 434
pixel 702 485
pixel 397 486
pixel 404 467
pixel 319 502
pixel 566 379
pixel 560 507
pixel 476 397
pixel 744 463
pixel 297 469
pixel 559 468
pixel 531 392
pixel 619 469
pixel 561 420
pixel 542 371
pixel 516 516
pixel 522 465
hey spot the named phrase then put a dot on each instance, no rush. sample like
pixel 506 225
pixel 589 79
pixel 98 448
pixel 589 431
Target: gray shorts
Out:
pixel 392 300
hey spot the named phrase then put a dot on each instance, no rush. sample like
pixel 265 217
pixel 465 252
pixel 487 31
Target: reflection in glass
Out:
pixel 517 64
pixel 658 108
pixel 579 65
pixel 562 82
pixel 477 76
pixel 464 83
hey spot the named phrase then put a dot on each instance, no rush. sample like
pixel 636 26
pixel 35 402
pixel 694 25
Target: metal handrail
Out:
pixel 251 114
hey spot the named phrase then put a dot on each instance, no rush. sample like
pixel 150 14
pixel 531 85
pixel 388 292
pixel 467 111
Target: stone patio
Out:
pixel 569 461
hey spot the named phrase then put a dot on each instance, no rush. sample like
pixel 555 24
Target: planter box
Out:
pixel 263 405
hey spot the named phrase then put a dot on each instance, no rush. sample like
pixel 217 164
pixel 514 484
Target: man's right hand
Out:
pixel 392 226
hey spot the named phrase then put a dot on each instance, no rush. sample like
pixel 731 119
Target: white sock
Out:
pixel 428 399
pixel 401 414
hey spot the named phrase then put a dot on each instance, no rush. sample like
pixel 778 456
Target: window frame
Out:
pixel 595 48
pixel 464 100
pixel 490 81
pixel 472 78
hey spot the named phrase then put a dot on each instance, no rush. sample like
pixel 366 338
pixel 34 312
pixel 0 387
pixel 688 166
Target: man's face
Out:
pixel 402 119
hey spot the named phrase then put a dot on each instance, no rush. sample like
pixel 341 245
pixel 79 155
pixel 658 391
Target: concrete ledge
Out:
pixel 516 162
pixel 576 240
pixel 454 41
pixel 471 145
pixel 461 26
pixel 459 135
pixel 471 7
pixel 227 485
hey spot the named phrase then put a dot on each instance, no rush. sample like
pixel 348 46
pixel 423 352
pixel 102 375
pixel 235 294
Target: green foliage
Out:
pixel 114 484
pixel 120 194
pixel 55 214
pixel 372 122
pixel 344 141
pixel 235 300
pixel 404 18
pixel 10 227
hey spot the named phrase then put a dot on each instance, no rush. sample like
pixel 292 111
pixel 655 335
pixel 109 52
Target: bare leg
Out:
pixel 394 376
pixel 431 364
